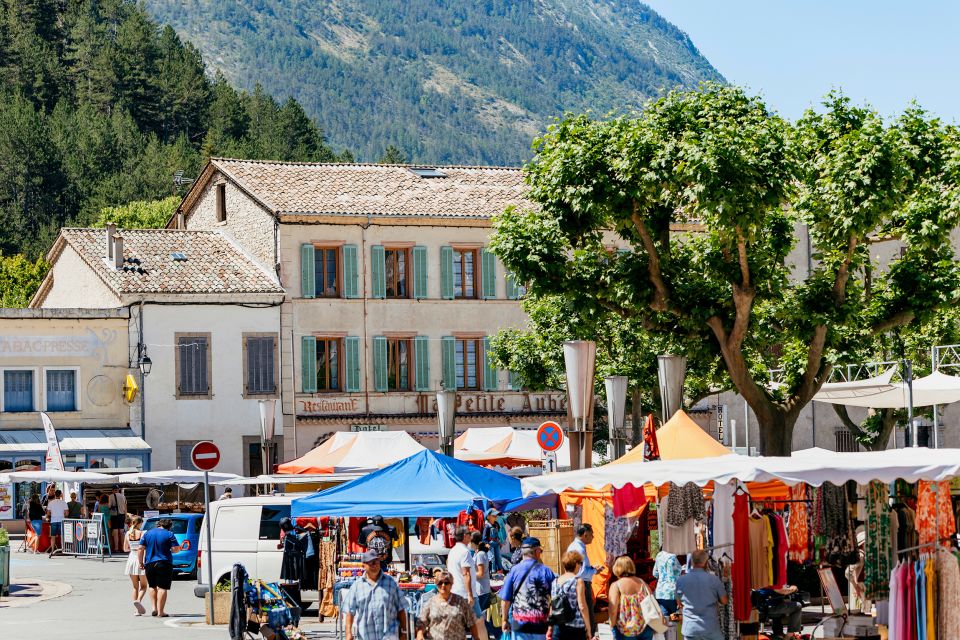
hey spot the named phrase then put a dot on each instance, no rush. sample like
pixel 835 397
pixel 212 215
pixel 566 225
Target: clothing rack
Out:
pixel 775 501
pixel 936 543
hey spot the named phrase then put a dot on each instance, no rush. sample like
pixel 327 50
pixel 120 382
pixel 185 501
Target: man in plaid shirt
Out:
pixel 373 608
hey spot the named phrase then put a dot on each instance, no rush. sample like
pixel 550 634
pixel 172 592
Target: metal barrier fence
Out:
pixel 86 537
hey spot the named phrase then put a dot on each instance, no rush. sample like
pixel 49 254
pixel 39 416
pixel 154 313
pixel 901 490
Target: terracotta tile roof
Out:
pixel 213 263
pixel 371 189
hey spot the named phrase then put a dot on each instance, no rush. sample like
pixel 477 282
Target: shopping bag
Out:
pixel 652 613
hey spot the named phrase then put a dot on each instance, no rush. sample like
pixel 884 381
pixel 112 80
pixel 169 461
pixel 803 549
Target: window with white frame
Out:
pixel 19 390
pixel 61 389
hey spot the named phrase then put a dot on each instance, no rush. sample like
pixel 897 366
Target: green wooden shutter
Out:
pixel 446 273
pixel 351 287
pixel 378 282
pixel 449 362
pixel 351 347
pixel 380 363
pixel 308 364
pixel 489 368
pixel 514 381
pixel 419 272
pixel 421 356
pixel 513 291
pixel 308 275
pixel 488 275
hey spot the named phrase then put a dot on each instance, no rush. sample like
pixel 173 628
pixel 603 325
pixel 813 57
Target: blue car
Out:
pixel 186 526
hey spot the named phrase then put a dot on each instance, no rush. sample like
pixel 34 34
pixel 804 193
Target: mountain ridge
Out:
pixel 445 81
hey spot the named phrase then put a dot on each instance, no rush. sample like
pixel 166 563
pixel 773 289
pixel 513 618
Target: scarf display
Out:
pixel 878 547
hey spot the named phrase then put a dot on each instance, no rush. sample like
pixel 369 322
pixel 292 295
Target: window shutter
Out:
pixel 488 275
pixel 514 381
pixel 379 363
pixel 446 273
pixel 449 362
pixel 351 345
pixel 513 291
pixel 490 382
pixel 419 272
pixel 308 364
pixel 204 375
pixel 308 277
pixel 351 288
pixel 378 283
pixel 421 346
pixel 266 365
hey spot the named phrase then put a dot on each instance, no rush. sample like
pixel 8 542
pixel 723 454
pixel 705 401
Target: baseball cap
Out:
pixel 530 543
pixel 369 556
pixel 493 512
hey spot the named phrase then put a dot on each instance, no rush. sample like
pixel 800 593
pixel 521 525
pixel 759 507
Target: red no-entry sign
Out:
pixel 205 455
pixel 550 436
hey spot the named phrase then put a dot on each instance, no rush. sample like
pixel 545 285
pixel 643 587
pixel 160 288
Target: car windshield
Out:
pixel 180 525
pixel 430 559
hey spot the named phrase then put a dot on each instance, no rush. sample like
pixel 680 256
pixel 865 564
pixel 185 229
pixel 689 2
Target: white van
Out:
pixel 245 531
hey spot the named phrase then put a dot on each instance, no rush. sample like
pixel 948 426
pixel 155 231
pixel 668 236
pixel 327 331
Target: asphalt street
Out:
pixel 97 604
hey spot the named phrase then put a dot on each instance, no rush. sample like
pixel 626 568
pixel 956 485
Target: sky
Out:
pixel 792 52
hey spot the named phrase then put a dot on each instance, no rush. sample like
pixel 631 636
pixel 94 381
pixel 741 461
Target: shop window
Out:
pixel 259 364
pixel 329 364
pixel 104 462
pixel 465 273
pixel 61 389
pixel 327 272
pixel 469 369
pixel 193 365
pixel 18 391
pixel 130 462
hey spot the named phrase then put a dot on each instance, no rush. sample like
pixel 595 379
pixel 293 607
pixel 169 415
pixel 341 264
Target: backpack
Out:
pixel 561 611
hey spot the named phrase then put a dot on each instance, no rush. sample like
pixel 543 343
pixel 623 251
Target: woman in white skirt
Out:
pixel 131 543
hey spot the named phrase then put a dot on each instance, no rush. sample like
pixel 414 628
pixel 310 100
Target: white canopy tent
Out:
pixel 880 393
pixel 917 463
pixel 504 447
pixel 174 476
pixel 55 475
pixel 287 478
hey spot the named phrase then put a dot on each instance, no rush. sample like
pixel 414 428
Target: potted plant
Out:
pixel 4 562
pixel 221 602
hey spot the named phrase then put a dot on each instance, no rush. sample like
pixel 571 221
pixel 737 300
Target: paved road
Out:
pixel 99 604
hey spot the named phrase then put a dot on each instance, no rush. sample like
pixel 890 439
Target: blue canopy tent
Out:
pixel 425 484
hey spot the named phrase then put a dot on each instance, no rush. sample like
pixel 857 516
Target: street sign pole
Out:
pixel 206 504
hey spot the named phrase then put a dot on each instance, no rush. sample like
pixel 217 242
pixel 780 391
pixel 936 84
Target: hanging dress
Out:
pixel 741 570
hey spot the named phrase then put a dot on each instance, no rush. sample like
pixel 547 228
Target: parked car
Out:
pixel 429 561
pixel 186 527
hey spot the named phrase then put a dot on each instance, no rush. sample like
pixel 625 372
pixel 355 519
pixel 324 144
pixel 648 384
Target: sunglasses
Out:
pixel 444 583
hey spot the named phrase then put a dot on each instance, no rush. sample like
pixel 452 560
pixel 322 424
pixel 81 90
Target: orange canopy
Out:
pixel 680 438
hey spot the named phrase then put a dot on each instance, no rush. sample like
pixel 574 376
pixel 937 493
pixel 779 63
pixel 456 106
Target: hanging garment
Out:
pixel 877 547
pixel 616 533
pixel 677 540
pixel 799 532
pixel 927 511
pixel 946 525
pixel 771 550
pixel 423 530
pixel 931 597
pixel 910 611
pixel 893 609
pixel 722 525
pixel 948 595
pixel 686 502
pixel 759 557
pixel 741 570
pixel 782 545
pixel 920 594
pixel 894 533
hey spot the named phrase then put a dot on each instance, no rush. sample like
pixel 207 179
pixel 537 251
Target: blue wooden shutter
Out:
pixel 351 345
pixel 449 362
pixel 378 282
pixel 446 273
pixel 351 287
pixel 514 381
pixel 488 275
pixel 419 272
pixel 308 364
pixel 380 363
pixel 513 291
pixel 490 382
pixel 421 346
pixel 308 275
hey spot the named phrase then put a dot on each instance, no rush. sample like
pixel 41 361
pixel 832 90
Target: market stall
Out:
pixel 504 447
pixel 360 452
pixel 898 501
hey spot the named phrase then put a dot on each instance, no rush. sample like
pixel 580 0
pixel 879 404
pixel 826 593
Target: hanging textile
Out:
pixel 759 553
pixel 833 524
pixel 728 625
pixel 741 570
pixel 782 545
pixel 651 450
pixel 893 608
pixel 799 531
pixel 722 524
pixel 948 595
pixel 771 551
pixel 686 503
pixel 677 540
pixel 616 533
pixel 877 547
pixel 931 597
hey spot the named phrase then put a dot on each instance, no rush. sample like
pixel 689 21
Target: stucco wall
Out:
pixel 249 224
pixel 226 417
pixel 96 347
pixel 75 284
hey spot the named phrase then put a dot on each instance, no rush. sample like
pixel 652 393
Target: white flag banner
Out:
pixel 54 460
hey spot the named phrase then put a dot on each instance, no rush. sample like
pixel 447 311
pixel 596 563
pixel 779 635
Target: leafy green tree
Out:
pixel 140 214
pixel 393 155
pixel 707 189
pixel 19 279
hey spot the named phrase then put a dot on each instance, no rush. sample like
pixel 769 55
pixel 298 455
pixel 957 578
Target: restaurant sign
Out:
pixel 468 403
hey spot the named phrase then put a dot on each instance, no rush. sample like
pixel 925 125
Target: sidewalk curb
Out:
pixel 49 590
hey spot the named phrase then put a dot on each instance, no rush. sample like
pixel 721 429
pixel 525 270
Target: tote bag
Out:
pixel 652 613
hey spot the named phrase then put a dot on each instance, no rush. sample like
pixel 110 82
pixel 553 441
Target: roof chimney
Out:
pixel 111 232
pixel 180 220
pixel 118 253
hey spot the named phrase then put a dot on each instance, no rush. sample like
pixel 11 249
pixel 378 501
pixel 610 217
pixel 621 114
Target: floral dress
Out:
pixel 666 569
pixel 446 619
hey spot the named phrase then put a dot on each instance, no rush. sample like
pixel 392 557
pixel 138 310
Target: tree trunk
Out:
pixel 636 417
pixel 776 434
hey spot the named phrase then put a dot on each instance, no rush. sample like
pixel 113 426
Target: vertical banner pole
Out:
pixel 206 504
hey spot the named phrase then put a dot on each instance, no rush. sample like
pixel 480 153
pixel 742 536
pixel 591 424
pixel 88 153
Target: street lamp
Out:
pixel 447 419
pixel 616 387
pixel 671 370
pixel 268 422
pixel 580 358
pixel 145 364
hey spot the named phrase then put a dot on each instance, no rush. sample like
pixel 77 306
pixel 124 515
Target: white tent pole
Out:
pixel 911 427
pixel 936 418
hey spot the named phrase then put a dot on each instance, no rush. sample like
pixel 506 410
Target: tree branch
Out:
pixel 817 369
pixel 898 319
pixel 843 273
pixel 841 411
pixel 661 293
pixel 740 373
pixel 744 264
